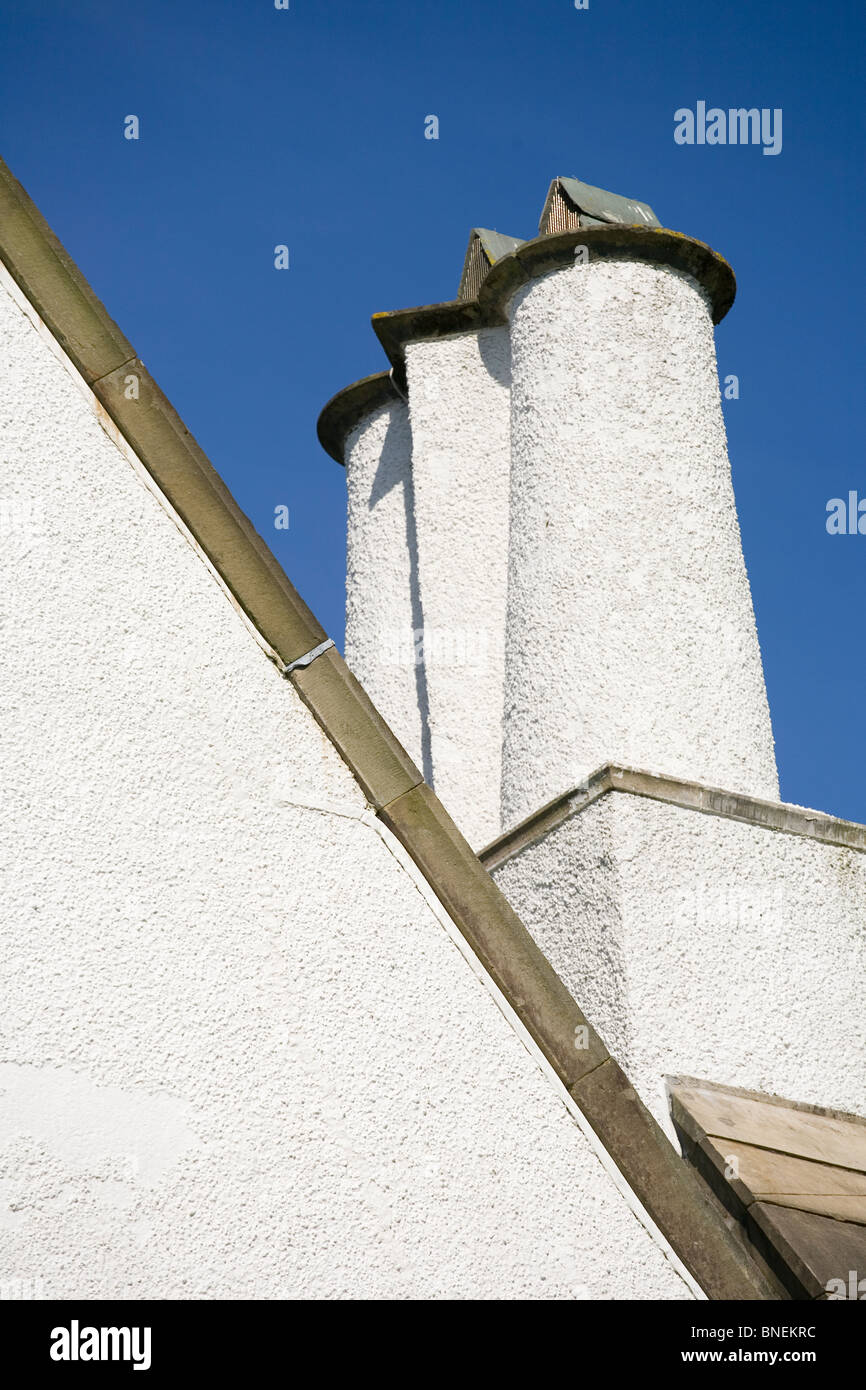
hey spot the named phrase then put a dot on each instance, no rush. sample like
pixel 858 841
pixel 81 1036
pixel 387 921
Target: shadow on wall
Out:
pixel 392 470
pixel 496 360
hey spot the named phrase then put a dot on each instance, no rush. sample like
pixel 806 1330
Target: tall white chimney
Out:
pixel 630 634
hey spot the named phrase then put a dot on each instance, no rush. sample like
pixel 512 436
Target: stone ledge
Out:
pixel 345 712
pixel 690 796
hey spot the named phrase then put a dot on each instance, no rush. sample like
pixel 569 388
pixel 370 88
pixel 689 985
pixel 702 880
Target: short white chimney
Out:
pixel 366 427
pixel 428 478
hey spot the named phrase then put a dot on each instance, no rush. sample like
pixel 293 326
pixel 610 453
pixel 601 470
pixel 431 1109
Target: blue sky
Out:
pixel 306 127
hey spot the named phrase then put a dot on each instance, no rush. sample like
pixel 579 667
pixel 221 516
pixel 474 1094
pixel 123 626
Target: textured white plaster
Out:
pixel 287 1081
pixel 60 1108
pixel 459 414
pixel 705 946
pixel 630 635
pixel 383 604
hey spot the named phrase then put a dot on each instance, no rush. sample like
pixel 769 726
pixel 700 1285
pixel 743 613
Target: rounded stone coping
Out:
pixel 348 407
pixel 531 260
pixel 655 245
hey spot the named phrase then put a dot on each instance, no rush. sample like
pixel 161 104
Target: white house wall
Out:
pixel 241 1056
pixel 705 946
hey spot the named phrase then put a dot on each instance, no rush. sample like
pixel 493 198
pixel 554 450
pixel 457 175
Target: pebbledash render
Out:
pixel 270 1027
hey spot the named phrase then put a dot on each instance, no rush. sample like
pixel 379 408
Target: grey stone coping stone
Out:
pixel 55 286
pixel 674 791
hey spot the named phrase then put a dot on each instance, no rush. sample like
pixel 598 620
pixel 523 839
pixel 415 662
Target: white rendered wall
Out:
pixel 630 634
pixel 459 413
pixel 382 594
pixel 705 946
pixel 240 1054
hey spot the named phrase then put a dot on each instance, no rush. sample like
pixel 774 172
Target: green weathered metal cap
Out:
pixel 484 250
pixel 596 205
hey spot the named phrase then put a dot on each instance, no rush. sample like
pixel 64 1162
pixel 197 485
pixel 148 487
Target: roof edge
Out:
pixel 79 322
pixel 55 286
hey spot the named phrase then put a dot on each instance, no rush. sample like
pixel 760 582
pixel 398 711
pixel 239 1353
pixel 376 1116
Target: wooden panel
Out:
pixel 814 1248
pixel 795 1182
pixel 822 1138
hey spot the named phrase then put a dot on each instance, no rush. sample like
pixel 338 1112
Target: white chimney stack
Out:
pixel 540 502
pixel 427 585
pixel 630 633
